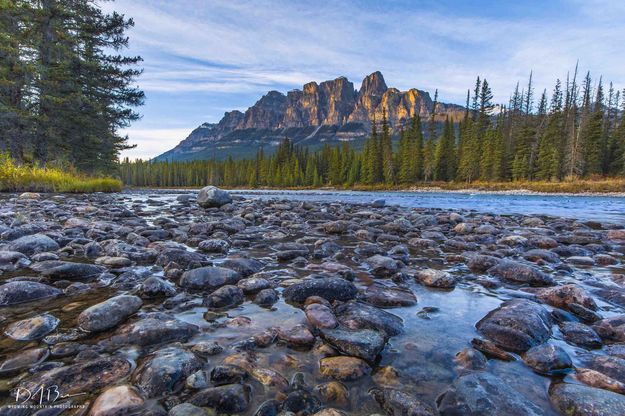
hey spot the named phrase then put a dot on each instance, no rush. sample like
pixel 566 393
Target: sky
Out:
pixel 202 58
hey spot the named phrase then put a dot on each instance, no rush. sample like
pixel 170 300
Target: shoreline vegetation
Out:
pixel 23 178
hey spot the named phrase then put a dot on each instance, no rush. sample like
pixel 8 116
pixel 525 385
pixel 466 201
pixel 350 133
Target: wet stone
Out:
pixel 389 297
pixel 230 398
pixel 155 287
pixel 581 335
pixel 344 368
pixel 23 360
pixel 579 400
pixel 108 314
pixel 436 278
pixel 357 315
pixel 32 328
pixel 118 400
pixel 253 285
pixel 365 344
pixel 266 297
pixel 165 371
pixel 297 336
pixel 394 402
pixel 33 244
pixel 548 359
pixel 515 272
pixel 225 297
pixel 320 316
pixel 329 288
pixel 153 330
pixel 209 278
pixel 13 293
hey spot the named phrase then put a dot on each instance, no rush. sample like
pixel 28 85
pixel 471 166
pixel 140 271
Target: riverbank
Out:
pixel 22 178
pixel 611 187
pixel 268 306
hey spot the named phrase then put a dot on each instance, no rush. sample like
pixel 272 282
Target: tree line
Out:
pixel 65 87
pixel 576 132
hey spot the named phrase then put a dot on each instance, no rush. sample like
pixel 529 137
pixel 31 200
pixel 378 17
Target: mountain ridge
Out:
pixel 331 111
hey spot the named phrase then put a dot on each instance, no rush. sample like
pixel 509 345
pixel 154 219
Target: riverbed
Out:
pixel 332 301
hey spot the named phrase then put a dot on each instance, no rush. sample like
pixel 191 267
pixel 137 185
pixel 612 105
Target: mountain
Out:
pixel 329 112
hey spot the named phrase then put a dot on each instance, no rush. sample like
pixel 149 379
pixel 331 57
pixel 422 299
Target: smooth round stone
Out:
pixel 118 400
pixel 23 360
pixel 344 368
pixel 547 359
pixel 32 328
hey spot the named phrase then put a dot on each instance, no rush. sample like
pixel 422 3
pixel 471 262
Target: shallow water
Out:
pixel 423 355
pixel 582 207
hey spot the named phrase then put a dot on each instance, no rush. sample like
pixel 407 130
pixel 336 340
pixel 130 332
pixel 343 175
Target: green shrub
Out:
pixel 23 178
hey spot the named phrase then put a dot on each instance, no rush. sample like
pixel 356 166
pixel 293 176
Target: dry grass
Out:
pixel 22 178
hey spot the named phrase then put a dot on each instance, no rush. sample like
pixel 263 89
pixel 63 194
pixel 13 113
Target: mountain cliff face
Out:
pixel 329 112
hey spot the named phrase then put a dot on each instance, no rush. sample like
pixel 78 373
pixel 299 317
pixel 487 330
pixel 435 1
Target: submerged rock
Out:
pixel 118 400
pixel 108 314
pixel 365 344
pixel 396 402
pixel 13 293
pixel 357 315
pixel 517 325
pixel 436 278
pixel 329 288
pixel 32 328
pixel 209 278
pixel 515 272
pixel 33 244
pixel 344 368
pixel 548 359
pixel 230 398
pixel 578 400
pixel 484 394
pixel 165 371
pixel 153 330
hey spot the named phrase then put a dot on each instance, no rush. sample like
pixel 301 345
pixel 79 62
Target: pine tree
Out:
pixel 386 147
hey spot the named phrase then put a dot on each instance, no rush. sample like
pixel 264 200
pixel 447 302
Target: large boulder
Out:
pixel 517 325
pixel 579 400
pixel 32 328
pixel 329 288
pixel 16 292
pixel 365 343
pixel 165 371
pixel 153 330
pixel 484 394
pixel 108 314
pixel 33 244
pixel 213 197
pixel 357 315
pixel 209 278
pixel 519 273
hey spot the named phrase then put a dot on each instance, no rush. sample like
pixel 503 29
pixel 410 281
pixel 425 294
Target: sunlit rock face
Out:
pixel 328 112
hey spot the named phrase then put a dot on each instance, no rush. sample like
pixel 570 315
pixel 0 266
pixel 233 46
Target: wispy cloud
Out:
pixel 222 49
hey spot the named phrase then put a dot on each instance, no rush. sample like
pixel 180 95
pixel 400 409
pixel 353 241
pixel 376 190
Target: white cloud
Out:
pixel 152 142
pixel 229 47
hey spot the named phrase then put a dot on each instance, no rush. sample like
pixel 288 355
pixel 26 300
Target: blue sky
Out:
pixel 202 58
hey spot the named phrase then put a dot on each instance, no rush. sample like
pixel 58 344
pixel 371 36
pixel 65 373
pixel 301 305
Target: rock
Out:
pixel 301 402
pixel 470 359
pixel 333 392
pixel 382 266
pixel 54 269
pixel 83 376
pixel 389 297
pixel 231 398
pixel 611 329
pixel 154 330
pixel 548 359
pixel 227 374
pixel 564 295
pixel 581 335
pixel 481 393
pixel 517 325
pixel 266 298
pixel 113 262
pixel 183 258
pixel 108 314
pixel 11 261
pixel 329 288
pixel 395 402
pixel 116 401
pixel 436 278
pixel 164 372
pixel 594 378
pixel 214 245
pixel 365 344
pixel 357 315
pixel 617 350
pixel 538 254
pixel 32 328
pixel 581 260
pixel 519 273
pixel 268 408
pixel 16 292
pixel 207 348
pixel 613 367
pixel 213 197
pixel 208 278
pixel 320 316
pixel 481 263
pixel 187 409
pixel 378 203
pixel 155 287
pixel 33 244
pixel 253 285
pixel 225 297
pixel 578 400
pixel 246 267
pixel 336 227
pixel 297 336
pixel 23 360
pixel 29 195
pixel 344 368
pixel 491 350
